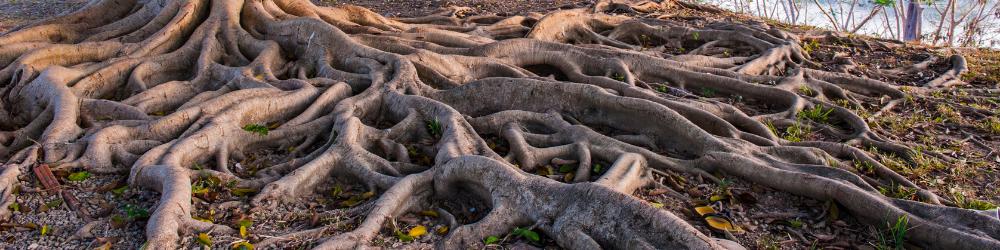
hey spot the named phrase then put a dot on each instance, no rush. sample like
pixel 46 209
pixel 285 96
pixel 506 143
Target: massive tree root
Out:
pixel 164 89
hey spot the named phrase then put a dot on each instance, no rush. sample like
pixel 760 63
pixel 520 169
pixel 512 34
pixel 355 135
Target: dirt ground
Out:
pixel 777 220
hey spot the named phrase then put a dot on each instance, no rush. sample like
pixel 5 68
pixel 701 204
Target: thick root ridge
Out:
pixel 174 92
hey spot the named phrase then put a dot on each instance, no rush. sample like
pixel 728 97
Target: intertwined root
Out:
pixel 161 88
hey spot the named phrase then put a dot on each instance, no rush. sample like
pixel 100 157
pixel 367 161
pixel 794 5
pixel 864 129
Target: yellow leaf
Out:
pixel 351 201
pixel 106 246
pixel 201 191
pixel 243 232
pixel 206 218
pixel 442 231
pixel 242 191
pixel 718 197
pixel 367 195
pixel 244 245
pixel 428 213
pixel 204 240
pixel 259 76
pixel 543 171
pixel 680 179
pixel 569 177
pixel 424 160
pixel 159 113
pixel 418 231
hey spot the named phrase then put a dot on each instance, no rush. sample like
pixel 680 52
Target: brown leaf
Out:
pixel 314 220
pixel 840 223
pixel 841 243
pixel 686 212
pixel 696 193
pixel 747 199
pixel 657 192
pixel 833 213
pixel 62 173
pixel 218 216
pixel 118 222
pixel 112 239
pixel 237 218
pixel 45 176
pixel 113 185
pixel 104 213
pixel 824 237
pixel 408 220
pixel 674 185
pixel 208 196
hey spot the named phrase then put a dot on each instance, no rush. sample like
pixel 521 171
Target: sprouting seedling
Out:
pixel 707 92
pixel 531 235
pixel 770 126
pixel 620 78
pixel 808 91
pixel 256 129
pixel 210 177
pixel 132 211
pixel 969 203
pixel 724 185
pixel 815 114
pixel 808 47
pixel 435 127
pixel 797 132
pixel 695 35
pixel 894 235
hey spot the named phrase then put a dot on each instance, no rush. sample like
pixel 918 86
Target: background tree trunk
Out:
pixel 914 21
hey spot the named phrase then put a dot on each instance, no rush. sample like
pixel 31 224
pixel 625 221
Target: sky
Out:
pixel 876 27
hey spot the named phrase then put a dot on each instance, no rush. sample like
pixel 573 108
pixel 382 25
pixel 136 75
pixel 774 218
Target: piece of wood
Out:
pixel 45 176
pixel 74 204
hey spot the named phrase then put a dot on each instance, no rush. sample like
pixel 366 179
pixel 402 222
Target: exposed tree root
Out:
pixel 163 90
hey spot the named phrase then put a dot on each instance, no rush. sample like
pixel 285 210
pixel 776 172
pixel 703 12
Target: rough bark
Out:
pixel 157 88
pixel 914 21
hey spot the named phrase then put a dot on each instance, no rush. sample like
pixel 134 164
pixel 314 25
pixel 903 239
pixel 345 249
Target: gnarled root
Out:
pixel 174 92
